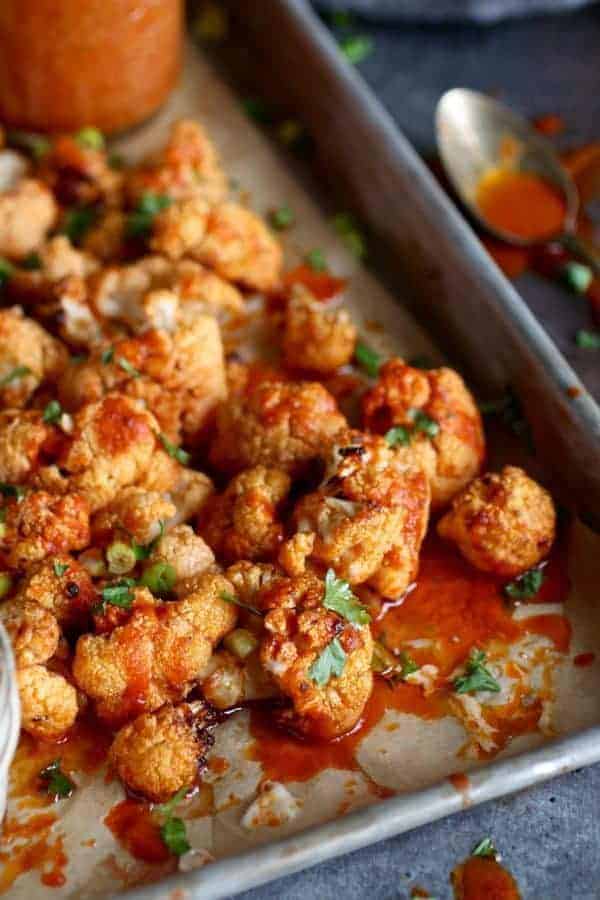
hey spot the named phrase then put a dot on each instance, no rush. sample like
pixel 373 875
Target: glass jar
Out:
pixel 10 715
pixel 67 64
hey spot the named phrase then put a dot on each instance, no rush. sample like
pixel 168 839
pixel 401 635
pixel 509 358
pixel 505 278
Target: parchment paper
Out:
pixel 414 754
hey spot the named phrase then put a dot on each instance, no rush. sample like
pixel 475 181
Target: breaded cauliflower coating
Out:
pixel 370 515
pixel 42 524
pixel 27 212
pixel 298 631
pixel 240 248
pixel 188 166
pixel 111 447
pixel 242 523
pixel 33 631
pixel 158 654
pixel 22 438
pixel 48 702
pixel 442 420
pixel 271 422
pixel 503 523
pixel 79 175
pixel 136 512
pixel 162 752
pixel 28 357
pixel 187 552
pixel 316 339
pixel 63 587
pixel 180 227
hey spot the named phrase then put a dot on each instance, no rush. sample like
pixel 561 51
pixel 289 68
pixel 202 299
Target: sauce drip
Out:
pixel 482 878
pixel 133 826
pixel 521 204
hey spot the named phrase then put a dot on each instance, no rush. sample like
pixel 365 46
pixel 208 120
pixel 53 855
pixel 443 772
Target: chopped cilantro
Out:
pixel 31 262
pixel 368 360
pixel 525 586
pixel 128 367
pixel 14 375
pixel 77 222
pixel 339 598
pixel 423 422
pixel 282 218
pixel 398 435
pixel 90 138
pixel 174 836
pixel 52 412
pixel 12 490
pixel 117 594
pixel 60 568
pixel 348 230
pixel 6 271
pixel 485 847
pixel 107 355
pixel 407 664
pixel 476 677
pixel 589 340
pixel 139 222
pixel 330 663
pixel 182 456
pixel 356 47
pixel 316 260
pixel 577 276
pixel 231 598
pixel 57 784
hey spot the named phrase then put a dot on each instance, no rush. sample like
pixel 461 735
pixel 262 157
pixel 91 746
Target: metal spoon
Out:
pixel 476 134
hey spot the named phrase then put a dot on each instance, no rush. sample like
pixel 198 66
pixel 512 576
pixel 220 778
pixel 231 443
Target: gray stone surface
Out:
pixel 549 836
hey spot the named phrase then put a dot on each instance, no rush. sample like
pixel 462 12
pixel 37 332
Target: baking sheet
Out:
pixel 416 754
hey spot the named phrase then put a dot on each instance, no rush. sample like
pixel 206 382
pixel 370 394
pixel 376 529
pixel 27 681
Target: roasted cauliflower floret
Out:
pixel 27 212
pixel 180 227
pixel 242 523
pixel 28 357
pixel 502 523
pixel 160 753
pixel 156 656
pixel 41 524
pixel 79 174
pixel 316 339
pixel 33 631
pixel 189 492
pixel 317 659
pixel 48 702
pixel 370 515
pixel 272 422
pixel 63 587
pixel 22 438
pixel 135 512
pixel 188 166
pixel 187 552
pixel 240 248
pixel 111 447
pixel 441 419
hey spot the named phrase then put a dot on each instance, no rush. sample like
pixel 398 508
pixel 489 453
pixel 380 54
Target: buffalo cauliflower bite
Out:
pixel 187 167
pixel 48 702
pixel 240 248
pixel 298 630
pixel 242 523
pixel 28 357
pixel 23 435
pixel 438 400
pixel 33 631
pixel 41 524
pixel 502 523
pixel 267 421
pixel 188 554
pixel 134 513
pixel 160 753
pixel 316 339
pixel 27 212
pixel 62 586
pixel 370 515
pixel 180 227
pixel 158 654
pixel 78 174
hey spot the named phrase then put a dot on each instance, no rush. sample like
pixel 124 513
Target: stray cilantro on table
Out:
pixel 398 435
pixel 90 138
pixel 328 664
pixel 588 340
pixel 52 412
pixel 57 785
pixel 340 599
pixel 172 831
pixel 182 456
pixel 231 598
pixel 485 847
pixel 282 218
pixel 14 375
pixel 348 230
pixel 139 222
pixel 368 360
pixel 356 47
pixel 77 222
pixel 525 586
pixel 577 276
pixel 60 568
pixel 476 677
pixel 316 260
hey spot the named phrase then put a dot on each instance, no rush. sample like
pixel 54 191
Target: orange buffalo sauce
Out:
pixel 521 204
pixel 107 63
pixel 137 831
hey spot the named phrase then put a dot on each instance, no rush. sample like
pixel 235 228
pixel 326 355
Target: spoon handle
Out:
pixel 583 250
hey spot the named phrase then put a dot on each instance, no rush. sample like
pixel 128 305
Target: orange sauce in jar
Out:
pixel 107 63
pixel 521 204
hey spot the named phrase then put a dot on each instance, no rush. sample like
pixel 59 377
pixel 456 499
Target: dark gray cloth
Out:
pixel 482 11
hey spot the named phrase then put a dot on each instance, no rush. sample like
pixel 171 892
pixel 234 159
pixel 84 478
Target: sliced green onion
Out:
pixel 368 359
pixel 241 642
pixel 160 577
pixel 52 412
pixel 120 557
pixel 90 138
pixel 577 276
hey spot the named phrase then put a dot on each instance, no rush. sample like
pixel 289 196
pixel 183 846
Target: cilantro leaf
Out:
pixel 182 456
pixel 368 360
pixel 57 784
pixel 316 260
pixel 356 48
pixel 117 594
pixel 231 598
pixel 166 809
pixel 485 847
pixel 139 222
pixel 339 598
pixel 128 367
pixel 14 375
pixel 398 435
pixel 59 568
pixel 6 271
pixel 424 423
pixel 282 218
pixel 350 233
pixel 31 262
pixel 107 356
pixel 330 663
pixel 476 677
pixel 174 836
pixel 52 412
pixel 407 664
pixel 525 586
pixel 77 222
pixel 589 340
